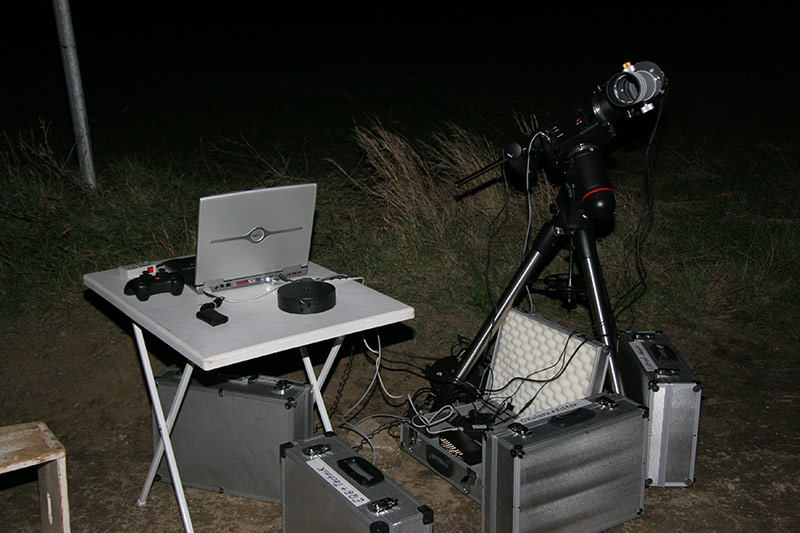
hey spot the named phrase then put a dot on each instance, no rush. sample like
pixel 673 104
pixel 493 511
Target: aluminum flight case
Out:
pixel 228 433
pixel 578 467
pixel 655 374
pixel 457 461
pixel 527 345
pixel 329 487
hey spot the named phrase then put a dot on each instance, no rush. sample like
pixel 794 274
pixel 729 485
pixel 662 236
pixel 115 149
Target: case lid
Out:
pixel 256 386
pixel 573 417
pixel 655 355
pixel 544 364
pixel 354 481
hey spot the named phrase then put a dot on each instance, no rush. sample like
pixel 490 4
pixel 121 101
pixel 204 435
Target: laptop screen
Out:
pixel 246 235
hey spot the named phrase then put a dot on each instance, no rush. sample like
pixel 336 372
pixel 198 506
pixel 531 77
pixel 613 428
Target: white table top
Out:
pixel 255 328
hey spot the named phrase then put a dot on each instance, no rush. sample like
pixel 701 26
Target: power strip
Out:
pixel 137 269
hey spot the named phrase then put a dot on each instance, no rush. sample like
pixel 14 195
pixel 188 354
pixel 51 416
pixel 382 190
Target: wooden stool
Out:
pixel 32 444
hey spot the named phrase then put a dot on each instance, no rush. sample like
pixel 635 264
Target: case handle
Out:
pixel 361 470
pixel 439 461
pixel 573 417
pixel 664 352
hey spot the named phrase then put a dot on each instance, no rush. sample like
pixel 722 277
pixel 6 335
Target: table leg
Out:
pixel 183 386
pixel 163 428
pixel 323 375
pixel 316 384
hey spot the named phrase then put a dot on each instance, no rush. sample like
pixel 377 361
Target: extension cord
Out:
pixel 135 270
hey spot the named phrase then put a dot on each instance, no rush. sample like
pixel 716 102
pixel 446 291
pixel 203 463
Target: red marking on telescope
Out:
pixel 594 191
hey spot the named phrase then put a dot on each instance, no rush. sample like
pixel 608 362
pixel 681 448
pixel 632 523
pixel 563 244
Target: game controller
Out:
pixel 148 284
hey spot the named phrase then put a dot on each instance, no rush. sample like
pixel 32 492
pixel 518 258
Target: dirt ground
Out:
pixel 85 382
pixel 81 375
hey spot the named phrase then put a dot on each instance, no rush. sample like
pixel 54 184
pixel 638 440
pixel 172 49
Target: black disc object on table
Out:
pixel 306 297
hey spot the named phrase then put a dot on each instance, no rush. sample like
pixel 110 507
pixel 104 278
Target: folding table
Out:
pixel 256 328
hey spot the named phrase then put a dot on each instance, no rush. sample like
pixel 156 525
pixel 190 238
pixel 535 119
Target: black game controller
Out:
pixel 148 284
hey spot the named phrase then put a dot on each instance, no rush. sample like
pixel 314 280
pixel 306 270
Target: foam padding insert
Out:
pixel 530 346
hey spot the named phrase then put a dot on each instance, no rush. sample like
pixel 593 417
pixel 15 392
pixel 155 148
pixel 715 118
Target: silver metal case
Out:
pixel 228 433
pixel 577 467
pixel 655 374
pixel 435 452
pixel 527 346
pixel 329 487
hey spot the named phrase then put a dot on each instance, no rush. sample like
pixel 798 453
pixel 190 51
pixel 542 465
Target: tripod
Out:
pixel 585 200
pixel 571 144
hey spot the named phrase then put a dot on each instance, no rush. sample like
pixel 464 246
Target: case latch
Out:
pixel 384 504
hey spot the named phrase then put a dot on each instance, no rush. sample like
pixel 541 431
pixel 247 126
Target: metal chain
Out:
pixel 382 427
pixel 345 376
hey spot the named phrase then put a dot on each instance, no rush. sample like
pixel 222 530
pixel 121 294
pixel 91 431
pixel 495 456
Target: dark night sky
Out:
pixel 150 71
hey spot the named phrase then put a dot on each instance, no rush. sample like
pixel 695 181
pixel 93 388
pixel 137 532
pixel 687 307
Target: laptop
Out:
pixel 250 237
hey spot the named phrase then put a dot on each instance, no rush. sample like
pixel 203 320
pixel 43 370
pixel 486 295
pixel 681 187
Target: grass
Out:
pixel 735 244
pixel 720 247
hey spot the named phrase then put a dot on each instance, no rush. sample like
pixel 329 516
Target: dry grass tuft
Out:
pixel 415 183
pixel 404 181
pixel 449 245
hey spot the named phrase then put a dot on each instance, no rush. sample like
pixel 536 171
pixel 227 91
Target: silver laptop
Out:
pixel 253 236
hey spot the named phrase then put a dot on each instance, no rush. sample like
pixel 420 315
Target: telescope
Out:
pixel 569 146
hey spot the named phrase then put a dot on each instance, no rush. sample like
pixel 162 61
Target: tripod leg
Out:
pixel 544 247
pixel 604 322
